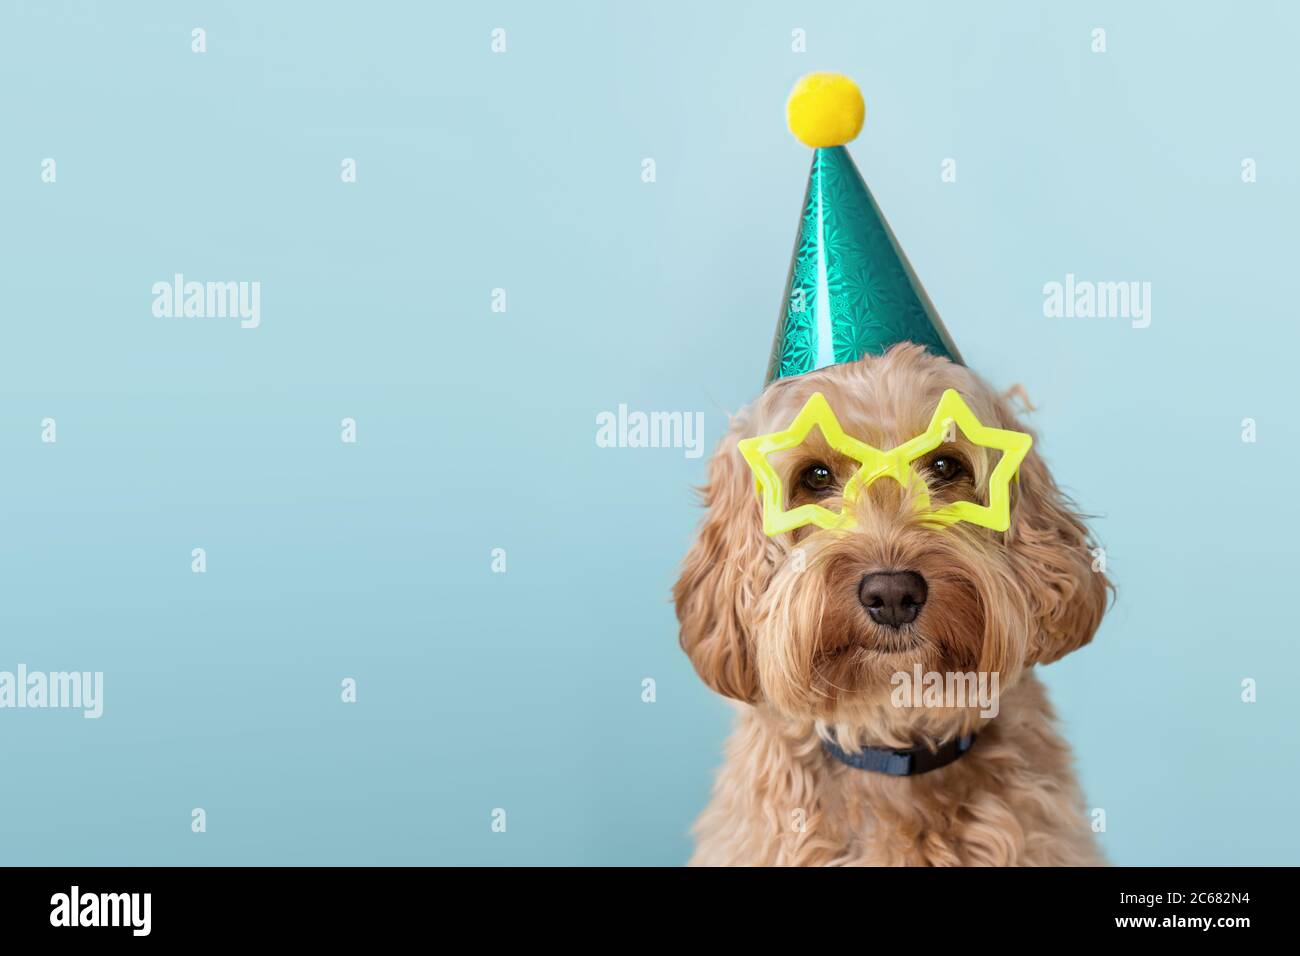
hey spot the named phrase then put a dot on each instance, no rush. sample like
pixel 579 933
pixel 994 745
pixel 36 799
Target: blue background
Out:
pixel 476 430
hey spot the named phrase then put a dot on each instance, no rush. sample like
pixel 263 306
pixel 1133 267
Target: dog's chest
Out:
pixel 874 821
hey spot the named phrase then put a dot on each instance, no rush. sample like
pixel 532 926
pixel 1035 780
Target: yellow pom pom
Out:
pixel 825 109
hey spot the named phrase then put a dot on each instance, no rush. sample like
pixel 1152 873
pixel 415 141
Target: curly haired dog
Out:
pixel 795 629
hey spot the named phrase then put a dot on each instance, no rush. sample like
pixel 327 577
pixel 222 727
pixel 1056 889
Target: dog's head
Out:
pixel 816 623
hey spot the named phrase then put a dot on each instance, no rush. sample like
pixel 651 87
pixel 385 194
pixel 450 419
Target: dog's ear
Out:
pixel 723 575
pixel 1054 561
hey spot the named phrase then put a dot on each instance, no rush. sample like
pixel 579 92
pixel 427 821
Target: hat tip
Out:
pixel 825 109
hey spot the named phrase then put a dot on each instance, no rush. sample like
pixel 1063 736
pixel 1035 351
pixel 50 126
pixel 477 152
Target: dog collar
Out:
pixel 902 763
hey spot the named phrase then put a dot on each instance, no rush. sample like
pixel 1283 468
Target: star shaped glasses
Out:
pixel 874 464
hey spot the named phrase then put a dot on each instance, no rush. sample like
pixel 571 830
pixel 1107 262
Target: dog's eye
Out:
pixel 817 479
pixel 948 468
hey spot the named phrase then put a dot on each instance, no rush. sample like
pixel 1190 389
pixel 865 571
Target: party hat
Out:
pixel 851 291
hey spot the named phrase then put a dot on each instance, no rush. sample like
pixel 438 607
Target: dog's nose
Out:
pixel 893 598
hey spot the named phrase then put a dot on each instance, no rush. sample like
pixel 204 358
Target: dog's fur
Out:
pixel 789 639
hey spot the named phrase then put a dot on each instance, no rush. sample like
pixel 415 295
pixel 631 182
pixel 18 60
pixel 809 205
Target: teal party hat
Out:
pixel 851 291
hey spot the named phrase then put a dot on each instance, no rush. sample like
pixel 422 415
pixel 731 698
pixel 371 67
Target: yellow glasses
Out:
pixel 897 463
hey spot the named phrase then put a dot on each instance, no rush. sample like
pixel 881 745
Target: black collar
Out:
pixel 902 763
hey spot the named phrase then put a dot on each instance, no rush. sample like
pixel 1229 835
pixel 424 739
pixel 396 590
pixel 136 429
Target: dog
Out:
pixel 796 629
